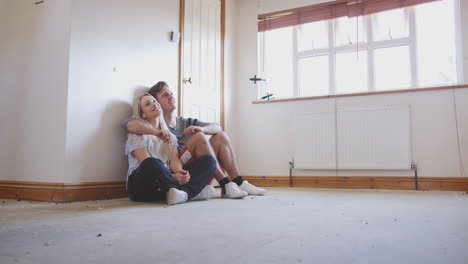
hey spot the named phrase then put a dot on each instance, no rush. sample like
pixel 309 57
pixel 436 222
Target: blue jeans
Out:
pixel 151 180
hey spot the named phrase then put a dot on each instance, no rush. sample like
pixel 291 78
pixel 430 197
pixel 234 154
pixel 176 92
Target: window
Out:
pixel 341 52
pixel 279 68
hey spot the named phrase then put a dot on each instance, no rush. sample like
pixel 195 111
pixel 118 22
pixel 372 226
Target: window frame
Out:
pixel 370 46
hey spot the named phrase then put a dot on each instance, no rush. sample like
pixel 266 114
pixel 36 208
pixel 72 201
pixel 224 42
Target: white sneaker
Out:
pixel 175 196
pixel 233 191
pixel 251 189
pixel 207 193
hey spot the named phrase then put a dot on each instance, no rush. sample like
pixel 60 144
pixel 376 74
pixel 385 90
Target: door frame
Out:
pixel 181 56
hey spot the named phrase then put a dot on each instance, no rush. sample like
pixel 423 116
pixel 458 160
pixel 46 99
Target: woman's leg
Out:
pixel 201 171
pixel 150 181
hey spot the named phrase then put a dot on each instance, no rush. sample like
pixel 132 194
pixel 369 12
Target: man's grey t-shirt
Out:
pixel 181 125
pixel 178 131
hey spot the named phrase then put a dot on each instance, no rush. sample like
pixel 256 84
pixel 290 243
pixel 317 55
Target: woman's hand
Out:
pixel 164 135
pixel 192 130
pixel 182 176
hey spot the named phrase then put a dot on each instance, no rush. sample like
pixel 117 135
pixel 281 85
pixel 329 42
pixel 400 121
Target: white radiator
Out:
pixel 357 138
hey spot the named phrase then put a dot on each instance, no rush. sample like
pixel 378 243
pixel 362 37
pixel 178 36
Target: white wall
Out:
pixel 69 72
pixel 464 22
pixel 34 45
pixel 117 47
pixel 265 138
pixel 61 101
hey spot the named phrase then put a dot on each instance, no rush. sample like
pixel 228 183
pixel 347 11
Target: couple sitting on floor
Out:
pixel 170 158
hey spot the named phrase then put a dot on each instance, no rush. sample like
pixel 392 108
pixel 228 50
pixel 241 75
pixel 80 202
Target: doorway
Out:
pixel 201 69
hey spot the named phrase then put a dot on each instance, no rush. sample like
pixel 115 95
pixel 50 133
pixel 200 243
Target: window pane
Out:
pixel 260 64
pixel 436 43
pixel 351 72
pixel 313 76
pixel 278 62
pixel 313 35
pixel 347 32
pixel 390 24
pixel 392 68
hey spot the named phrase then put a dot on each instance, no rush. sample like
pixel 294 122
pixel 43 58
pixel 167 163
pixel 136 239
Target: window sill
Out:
pixel 292 99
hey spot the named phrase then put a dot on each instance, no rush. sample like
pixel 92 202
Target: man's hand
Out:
pixel 192 130
pixel 164 135
pixel 182 176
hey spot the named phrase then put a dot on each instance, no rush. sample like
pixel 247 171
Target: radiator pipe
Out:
pixel 291 166
pixel 413 166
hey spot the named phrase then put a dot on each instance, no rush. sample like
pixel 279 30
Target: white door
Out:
pixel 201 60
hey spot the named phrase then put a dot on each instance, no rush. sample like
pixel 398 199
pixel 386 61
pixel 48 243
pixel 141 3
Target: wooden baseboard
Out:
pixel 358 182
pixel 62 192
pixel 443 184
pixel 70 192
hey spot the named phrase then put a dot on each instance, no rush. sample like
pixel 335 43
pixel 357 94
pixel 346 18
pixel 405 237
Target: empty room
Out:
pixel 234 131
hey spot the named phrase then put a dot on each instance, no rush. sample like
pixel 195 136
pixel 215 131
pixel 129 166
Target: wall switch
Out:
pixel 175 36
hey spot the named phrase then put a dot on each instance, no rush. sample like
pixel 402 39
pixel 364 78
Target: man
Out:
pixel 192 142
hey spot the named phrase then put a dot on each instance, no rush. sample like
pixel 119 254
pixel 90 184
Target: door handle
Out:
pixel 189 80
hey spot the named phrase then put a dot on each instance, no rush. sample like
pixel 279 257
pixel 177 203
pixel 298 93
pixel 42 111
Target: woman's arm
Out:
pixel 175 163
pixel 141 154
pixel 181 176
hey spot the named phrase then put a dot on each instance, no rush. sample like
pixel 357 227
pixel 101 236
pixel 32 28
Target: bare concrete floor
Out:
pixel 297 225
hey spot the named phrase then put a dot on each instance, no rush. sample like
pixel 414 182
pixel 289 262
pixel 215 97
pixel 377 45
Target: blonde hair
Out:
pixel 138 113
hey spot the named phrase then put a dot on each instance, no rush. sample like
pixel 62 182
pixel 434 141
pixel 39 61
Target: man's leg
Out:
pixel 199 146
pixel 223 149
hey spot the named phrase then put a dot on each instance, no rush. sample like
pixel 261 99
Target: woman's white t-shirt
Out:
pixel 155 146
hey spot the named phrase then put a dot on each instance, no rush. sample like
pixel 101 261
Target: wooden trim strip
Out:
pixel 461 86
pixel 363 182
pixel 62 192
pixel 223 37
pixel 69 192
pixel 181 56
pixel 27 184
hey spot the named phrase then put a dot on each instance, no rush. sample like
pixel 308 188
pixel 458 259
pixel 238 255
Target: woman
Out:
pixel 149 159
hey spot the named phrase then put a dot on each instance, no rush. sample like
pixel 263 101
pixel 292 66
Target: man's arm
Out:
pixel 137 127
pixel 212 129
pixel 209 129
